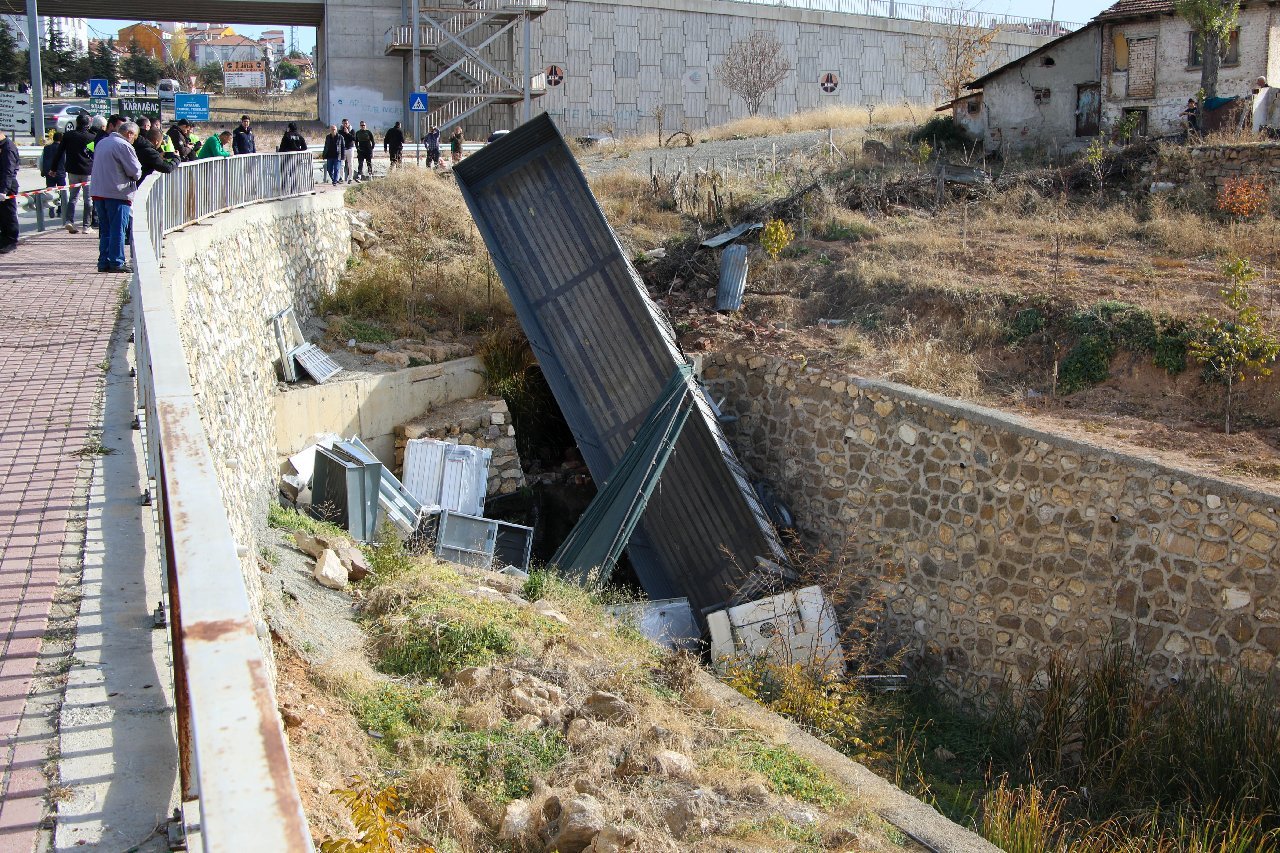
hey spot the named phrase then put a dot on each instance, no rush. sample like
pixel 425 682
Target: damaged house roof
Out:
pixel 1135 8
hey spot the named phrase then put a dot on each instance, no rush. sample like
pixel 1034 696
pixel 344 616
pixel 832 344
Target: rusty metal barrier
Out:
pixel 234 758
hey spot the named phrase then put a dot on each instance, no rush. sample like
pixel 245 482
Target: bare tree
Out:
pixel 753 68
pixel 954 58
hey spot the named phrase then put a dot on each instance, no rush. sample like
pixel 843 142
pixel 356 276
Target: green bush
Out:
pixel 432 647
pixel 791 775
pixel 1027 322
pixel 1086 364
pixel 395 711
pixel 941 132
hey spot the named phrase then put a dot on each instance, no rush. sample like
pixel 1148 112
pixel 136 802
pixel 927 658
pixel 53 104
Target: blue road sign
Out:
pixel 98 88
pixel 191 107
pixel 418 102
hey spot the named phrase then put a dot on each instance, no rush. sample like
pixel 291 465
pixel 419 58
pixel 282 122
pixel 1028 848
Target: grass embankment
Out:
pixel 476 693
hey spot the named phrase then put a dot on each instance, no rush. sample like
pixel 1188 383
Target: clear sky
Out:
pixel 1078 11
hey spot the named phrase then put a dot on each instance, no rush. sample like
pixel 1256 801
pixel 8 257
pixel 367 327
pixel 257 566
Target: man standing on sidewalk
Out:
pixel 242 141
pixel 75 157
pixel 8 187
pixel 116 172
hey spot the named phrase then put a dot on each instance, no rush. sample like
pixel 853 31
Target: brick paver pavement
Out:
pixel 56 318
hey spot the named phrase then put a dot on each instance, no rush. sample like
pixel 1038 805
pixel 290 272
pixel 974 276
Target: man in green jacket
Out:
pixel 365 141
pixel 216 146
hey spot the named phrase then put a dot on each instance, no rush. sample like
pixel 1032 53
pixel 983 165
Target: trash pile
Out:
pixel 438 507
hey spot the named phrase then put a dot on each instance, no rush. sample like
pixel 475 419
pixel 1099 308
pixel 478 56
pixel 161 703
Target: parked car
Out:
pixel 61 116
pixel 126 88
pixel 167 88
pixel 496 135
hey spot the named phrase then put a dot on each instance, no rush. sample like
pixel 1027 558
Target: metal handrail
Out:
pixel 233 755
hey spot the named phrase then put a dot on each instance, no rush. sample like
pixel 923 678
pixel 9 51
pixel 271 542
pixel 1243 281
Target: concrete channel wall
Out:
pixel 228 276
pixel 1001 543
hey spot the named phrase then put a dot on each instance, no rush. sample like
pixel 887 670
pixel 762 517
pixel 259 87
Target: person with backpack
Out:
pixel 292 139
pixel 51 170
pixel 75 158
pixel 455 145
pixel 393 144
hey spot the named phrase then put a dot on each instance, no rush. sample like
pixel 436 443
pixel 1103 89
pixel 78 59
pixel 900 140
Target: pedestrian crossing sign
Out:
pixel 98 88
pixel 418 102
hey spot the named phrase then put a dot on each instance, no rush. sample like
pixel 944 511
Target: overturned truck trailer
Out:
pixel 607 352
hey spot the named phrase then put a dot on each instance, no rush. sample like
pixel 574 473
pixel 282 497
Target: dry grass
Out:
pixel 431 270
pixel 834 117
pixel 632 208
pixel 943 364
pixel 458 757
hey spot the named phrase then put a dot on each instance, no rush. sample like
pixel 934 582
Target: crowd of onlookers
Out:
pixel 109 157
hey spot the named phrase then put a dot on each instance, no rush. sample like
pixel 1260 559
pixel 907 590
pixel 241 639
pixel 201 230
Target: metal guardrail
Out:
pixel 233 754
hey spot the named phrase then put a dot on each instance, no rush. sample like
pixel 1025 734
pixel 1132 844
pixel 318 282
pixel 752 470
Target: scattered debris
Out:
pixel 733 278
pixel 330 572
pixel 795 627
pixel 295 352
pixel 732 234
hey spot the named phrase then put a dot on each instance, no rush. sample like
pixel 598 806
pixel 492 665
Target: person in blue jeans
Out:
pixel 116 172
pixel 335 146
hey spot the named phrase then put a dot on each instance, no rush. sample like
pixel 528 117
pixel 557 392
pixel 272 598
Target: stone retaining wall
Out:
pixel 482 422
pixel 1001 543
pixel 229 276
pixel 1213 164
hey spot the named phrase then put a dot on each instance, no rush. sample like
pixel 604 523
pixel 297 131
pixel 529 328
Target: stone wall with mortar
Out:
pixel 482 422
pixel 229 276
pixel 1001 543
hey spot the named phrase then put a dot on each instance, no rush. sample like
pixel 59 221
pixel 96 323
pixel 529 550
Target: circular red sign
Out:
pixel 555 75
pixel 829 82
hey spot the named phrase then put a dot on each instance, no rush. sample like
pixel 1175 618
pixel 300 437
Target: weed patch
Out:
pixel 790 775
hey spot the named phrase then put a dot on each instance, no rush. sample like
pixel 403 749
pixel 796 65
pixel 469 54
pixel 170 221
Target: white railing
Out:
pixel 233 753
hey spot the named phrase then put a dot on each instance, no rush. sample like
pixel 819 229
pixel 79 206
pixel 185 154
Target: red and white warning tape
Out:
pixel 42 191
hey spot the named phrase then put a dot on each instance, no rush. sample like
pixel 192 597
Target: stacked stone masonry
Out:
pixel 1000 543
pixel 1212 165
pixel 482 422
pixel 229 277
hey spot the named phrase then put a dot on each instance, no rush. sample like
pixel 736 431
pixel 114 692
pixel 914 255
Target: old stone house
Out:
pixel 1138 60
pixel 1151 62
pixel 1048 99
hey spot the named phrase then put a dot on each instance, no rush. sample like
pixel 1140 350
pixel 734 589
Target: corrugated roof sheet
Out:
pixel 607 353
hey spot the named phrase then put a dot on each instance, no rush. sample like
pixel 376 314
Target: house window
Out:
pixel 1134 122
pixel 1042 96
pixel 1120 52
pixel 1048 62
pixel 974 106
pixel 1230 51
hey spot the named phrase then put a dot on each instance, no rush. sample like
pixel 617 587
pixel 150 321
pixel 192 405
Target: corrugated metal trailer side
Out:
pixel 607 353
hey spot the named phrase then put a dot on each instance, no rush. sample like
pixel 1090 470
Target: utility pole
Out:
pixel 416 77
pixel 528 77
pixel 34 43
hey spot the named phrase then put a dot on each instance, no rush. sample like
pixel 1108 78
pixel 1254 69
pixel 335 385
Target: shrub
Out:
pixel 433 648
pixel 1086 364
pixel 791 775
pixel 776 238
pixel 1243 196
pixel 942 133
pixel 503 762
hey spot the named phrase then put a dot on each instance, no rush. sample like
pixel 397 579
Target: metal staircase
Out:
pixel 469 53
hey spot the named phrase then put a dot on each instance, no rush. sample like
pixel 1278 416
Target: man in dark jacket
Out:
pixel 75 157
pixel 149 156
pixel 52 173
pixel 364 150
pixel 393 144
pixel 242 140
pixel 178 135
pixel 292 140
pixel 8 187
pixel 335 146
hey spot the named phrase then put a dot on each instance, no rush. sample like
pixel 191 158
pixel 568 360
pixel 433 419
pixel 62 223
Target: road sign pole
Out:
pixel 416 77
pixel 34 43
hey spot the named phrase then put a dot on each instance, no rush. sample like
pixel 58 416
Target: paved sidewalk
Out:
pixel 56 319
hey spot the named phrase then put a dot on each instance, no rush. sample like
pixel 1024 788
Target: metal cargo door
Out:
pixel 466 539
pixel 1088 109
pixel 423 469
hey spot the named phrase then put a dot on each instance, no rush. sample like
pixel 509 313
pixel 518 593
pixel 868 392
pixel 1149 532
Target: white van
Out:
pixel 167 88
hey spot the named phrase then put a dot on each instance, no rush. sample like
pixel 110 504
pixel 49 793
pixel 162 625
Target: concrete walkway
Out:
pixel 56 320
